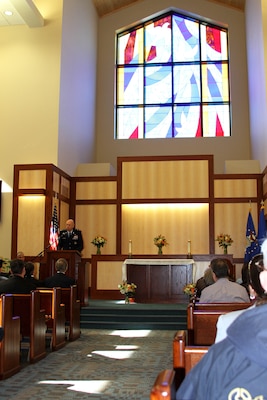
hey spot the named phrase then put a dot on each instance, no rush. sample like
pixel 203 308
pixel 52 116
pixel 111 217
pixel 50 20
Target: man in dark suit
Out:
pixel 16 283
pixel 60 279
pixel 70 238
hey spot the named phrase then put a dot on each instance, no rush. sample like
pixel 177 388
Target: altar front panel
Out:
pixel 159 281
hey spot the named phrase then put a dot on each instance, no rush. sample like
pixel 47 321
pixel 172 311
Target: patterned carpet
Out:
pixel 101 364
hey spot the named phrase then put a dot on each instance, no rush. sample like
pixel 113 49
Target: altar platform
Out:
pixel 115 314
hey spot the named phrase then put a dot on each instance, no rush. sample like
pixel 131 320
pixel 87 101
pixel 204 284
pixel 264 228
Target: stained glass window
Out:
pixel 172 80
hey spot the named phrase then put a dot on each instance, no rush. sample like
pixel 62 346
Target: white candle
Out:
pixel 189 247
pixel 130 247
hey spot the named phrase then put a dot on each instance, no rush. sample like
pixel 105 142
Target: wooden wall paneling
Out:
pixel 230 188
pixel 165 179
pixel 31 217
pixel 232 218
pixel 264 187
pixel 97 219
pixel 56 182
pixel 177 222
pixel 32 179
pixel 64 214
pixel 96 190
pixel 109 275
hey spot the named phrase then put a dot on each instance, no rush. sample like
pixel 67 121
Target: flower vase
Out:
pixel 98 251
pixel 127 300
pixel 225 250
pixel 160 250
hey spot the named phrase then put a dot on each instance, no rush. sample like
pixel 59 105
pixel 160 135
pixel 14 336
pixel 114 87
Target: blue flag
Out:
pixel 252 247
pixel 262 227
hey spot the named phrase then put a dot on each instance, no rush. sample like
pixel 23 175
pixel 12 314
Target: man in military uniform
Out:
pixel 70 238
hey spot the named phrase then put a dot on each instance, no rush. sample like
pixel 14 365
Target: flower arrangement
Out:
pixel 160 241
pixel 99 241
pixel 224 240
pixel 128 289
pixel 190 289
pixel 5 265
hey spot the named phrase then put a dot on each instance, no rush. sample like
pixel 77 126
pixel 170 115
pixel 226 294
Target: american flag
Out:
pixel 53 238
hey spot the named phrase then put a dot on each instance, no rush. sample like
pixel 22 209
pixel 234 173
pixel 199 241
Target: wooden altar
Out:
pixel 158 280
pixel 107 271
pixel 77 269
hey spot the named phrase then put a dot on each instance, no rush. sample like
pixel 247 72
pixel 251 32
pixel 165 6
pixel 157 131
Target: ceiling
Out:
pixel 23 12
pixel 105 7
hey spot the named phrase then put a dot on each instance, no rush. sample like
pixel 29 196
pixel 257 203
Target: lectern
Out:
pixel 77 269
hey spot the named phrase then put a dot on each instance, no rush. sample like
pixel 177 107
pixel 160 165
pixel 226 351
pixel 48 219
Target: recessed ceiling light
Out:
pixel 9 13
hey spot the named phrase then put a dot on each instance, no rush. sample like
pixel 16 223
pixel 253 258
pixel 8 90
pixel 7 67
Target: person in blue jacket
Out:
pixel 236 367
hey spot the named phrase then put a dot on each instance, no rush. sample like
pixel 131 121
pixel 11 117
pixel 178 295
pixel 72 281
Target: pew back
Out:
pixel 164 386
pixel 72 311
pixel 185 356
pixel 202 320
pixel 32 323
pixel 10 345
pixel 55 316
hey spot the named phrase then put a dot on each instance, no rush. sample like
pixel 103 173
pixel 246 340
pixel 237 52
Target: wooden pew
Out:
pixel 10 345
pixel 32 324
pixel 202 320
pixel 72 311
pixel 185 356
pixel 55 316
pixel 164 387
pixel 184 359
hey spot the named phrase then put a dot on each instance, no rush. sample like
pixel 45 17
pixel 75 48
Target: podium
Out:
pixel 77 269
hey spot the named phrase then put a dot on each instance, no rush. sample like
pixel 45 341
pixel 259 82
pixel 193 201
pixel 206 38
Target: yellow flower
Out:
pixel 224 240
pixel 190 289
pixel 160 241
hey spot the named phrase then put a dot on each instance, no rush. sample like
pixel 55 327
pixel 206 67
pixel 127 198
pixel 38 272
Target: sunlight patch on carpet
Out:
pixel 89 386
pixel 131 333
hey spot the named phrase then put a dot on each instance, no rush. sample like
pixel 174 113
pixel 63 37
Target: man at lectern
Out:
pixel 70 238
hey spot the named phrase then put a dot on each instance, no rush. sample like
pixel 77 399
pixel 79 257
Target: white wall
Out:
pixel 76 142
pixel 256 11
pixel 29 98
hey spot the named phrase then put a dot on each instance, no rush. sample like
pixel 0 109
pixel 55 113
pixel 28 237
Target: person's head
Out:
pixel 256 287
pixel 17 267
pixel 219 268
pixel 61 265
pixel 29 267
pixel 69 224
pixel 20 255
pixel 208 277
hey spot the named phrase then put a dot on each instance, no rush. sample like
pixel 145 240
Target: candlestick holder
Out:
pixel 189 255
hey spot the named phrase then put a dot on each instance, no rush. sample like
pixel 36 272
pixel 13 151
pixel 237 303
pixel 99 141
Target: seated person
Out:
pixel 236 367
pixel 29 267
pixel 16 283
pixel 20 255
pixel 256 291
pixel 60 279
pixel 2 276
pixel 223 290
pixel 204 281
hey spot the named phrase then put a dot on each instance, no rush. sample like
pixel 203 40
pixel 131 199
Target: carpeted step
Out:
pixel 134 316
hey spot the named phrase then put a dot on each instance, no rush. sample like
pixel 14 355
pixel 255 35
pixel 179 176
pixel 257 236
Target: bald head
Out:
pixel 69 224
